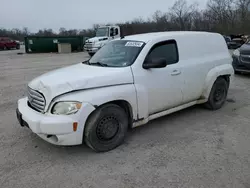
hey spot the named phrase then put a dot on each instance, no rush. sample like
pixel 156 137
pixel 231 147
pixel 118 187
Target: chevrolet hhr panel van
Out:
pixel 127 83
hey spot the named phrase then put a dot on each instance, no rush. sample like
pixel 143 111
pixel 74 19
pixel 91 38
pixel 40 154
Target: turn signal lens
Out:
pixel 75 124
pixel 66 108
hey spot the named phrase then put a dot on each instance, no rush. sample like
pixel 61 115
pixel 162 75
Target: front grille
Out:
pixel 36 100
pixel 245 58
pixel 244 52
pixel 88 45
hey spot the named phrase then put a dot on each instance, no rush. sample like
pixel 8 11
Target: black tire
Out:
pixel 106 128
pixel 91 54
pixel 218 94
pixel 18 47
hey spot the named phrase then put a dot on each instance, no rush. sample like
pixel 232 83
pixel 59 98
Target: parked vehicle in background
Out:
pixel 6 43
pixel 18 42
pixel 127 83
pixel 241 58
pixel 236 43
pixel 228 41
pixel 103 35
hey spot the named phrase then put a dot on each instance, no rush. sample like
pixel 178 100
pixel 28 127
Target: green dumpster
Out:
pixel 46 44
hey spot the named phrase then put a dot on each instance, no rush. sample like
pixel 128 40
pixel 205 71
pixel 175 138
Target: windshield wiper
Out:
pixel 99 64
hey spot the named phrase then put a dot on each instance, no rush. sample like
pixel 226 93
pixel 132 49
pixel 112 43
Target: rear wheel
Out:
pixel 218 94
pixel 106 128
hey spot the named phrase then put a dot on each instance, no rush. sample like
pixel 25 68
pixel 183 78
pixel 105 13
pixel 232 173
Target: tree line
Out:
pixel 223 16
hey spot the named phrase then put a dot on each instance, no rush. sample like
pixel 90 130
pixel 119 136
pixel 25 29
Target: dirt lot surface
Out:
pixel 191 148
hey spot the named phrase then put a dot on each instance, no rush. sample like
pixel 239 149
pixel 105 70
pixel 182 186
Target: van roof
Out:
pixel 146 37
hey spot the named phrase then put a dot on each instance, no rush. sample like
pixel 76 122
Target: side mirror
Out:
pixel 155 63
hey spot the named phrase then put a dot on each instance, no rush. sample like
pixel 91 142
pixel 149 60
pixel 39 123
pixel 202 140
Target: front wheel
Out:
pixel 106 128
pixel 218 94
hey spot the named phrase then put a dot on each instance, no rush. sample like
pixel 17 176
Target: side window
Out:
pixel 167 50
pixel 116 31
pixel 111 31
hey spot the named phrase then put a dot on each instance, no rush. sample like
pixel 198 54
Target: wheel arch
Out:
pixel 125 105
pixel 223 71
pixel 226 77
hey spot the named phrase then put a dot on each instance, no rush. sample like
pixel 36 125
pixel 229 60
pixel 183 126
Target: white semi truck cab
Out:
pixel 103 35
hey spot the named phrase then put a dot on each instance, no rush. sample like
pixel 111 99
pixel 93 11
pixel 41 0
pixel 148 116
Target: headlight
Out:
pixel 66 108
pixel 236 53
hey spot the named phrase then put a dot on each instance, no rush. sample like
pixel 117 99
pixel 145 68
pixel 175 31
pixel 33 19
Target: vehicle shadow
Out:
pixel 148 135
pixel 173 123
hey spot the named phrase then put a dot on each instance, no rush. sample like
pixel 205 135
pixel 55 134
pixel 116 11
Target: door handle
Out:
pixel 175 72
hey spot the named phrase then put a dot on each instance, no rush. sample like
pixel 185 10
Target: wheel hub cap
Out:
pixel 219 94
pixel 107 128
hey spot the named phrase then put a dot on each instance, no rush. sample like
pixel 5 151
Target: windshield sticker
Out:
pixel 134 44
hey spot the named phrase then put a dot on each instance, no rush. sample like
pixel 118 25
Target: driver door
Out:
pixel 162 85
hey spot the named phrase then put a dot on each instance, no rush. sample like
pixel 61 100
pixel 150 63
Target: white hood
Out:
pixel 77 77
pixel 96 39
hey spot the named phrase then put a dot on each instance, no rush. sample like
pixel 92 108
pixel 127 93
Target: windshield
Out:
pixel 117 53
pixel 102 32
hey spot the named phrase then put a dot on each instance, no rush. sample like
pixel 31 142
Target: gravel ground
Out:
pixel 191 148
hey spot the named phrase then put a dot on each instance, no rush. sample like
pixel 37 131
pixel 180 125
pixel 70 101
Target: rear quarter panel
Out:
pixel 203 60
pixel 213 74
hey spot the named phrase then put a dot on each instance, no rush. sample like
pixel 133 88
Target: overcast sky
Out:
pixel 77 14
